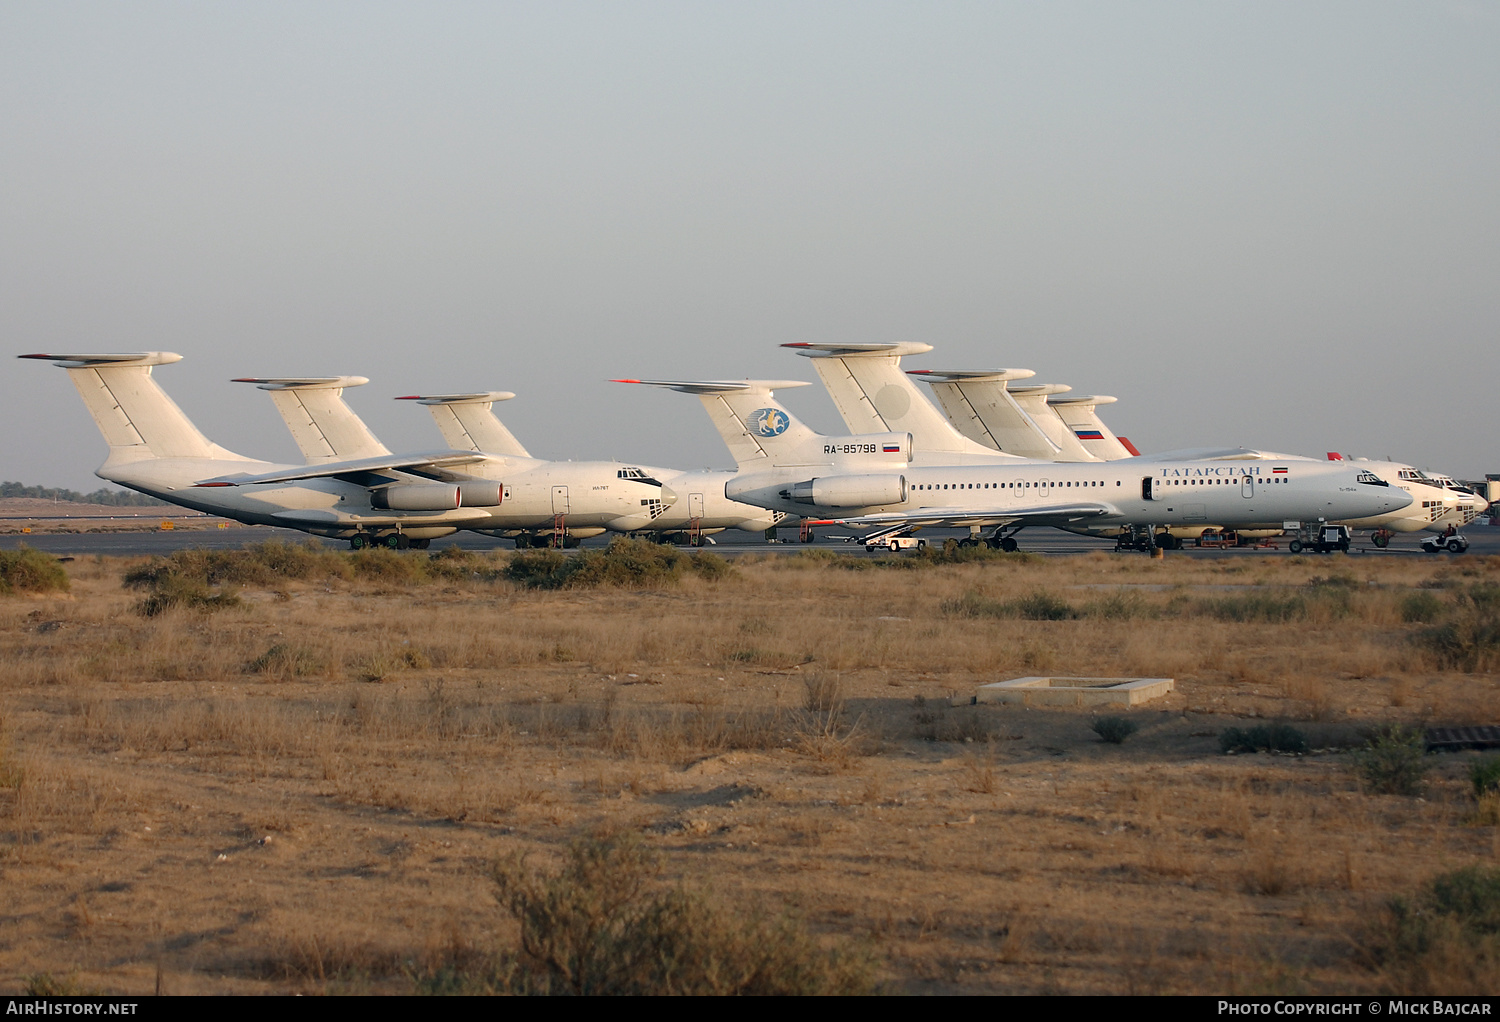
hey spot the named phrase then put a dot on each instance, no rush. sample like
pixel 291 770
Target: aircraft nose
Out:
pixel 668 495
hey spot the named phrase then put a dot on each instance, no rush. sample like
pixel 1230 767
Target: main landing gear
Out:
pixel 1003 540
pixel 391 541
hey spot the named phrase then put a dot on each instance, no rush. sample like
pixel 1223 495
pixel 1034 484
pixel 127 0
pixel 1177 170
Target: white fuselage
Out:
pixel 535 494
pixel 1159 494
pixel 702 506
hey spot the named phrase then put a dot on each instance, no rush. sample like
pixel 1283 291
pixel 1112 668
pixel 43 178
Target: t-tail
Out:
pixel 468 424
pixel 321 422
pixel 138 420
pixel 873 395
pixel 758 431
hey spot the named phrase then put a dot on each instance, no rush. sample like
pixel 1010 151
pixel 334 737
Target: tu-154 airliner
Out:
pixel 874 482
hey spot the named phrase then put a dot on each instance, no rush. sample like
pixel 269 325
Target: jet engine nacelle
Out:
pixel 416 497
pixel 436 496
pixel 480 494
pixel 850 491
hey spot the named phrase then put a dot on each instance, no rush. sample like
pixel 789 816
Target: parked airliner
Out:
pixel 872 481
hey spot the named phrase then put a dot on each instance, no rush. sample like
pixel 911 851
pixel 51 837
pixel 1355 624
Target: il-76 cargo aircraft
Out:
pixel 324 426
pixel 467 421
pixel 870 482
pixel 374 497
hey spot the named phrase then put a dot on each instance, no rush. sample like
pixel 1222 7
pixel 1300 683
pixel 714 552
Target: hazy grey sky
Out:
pixel 1275 224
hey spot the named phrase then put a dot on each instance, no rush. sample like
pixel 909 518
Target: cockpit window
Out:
pixel 1371 479
pixel 637 475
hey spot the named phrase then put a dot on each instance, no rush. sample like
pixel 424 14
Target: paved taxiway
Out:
pixel 1483 541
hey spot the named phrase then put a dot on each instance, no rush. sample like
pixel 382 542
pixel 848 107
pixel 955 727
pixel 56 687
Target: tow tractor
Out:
pixel 1322 539
pixel 896 543
pixel 1452 542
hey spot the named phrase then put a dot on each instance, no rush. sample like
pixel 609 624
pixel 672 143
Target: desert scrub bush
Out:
pixel 603 925
pixel 46 984
pixel 284 660
pixel 625 563
pixel 1484 775
pixel 1262 607
pixel 1446 940
pixel 1037 606
pixel 274 562
pixel 1393 761
pixel 1119 606
pixel 1469 640
pixel 170 591
pixel 1420 607
pixel 27 570
pixel 951 553
pixel 1114 730
pixel 1263 738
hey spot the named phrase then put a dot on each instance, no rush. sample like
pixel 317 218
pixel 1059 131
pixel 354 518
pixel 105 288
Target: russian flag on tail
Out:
pixel 1088 434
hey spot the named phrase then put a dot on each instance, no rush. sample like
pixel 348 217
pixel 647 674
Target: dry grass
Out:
pixel 305 792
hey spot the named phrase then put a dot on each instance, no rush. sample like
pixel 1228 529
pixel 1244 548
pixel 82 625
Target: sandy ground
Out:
pixel 305 794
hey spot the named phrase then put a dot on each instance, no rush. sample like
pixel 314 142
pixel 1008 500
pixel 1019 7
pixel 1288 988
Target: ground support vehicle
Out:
pixel 1454 544
pixel 896 544
pixel 1322 539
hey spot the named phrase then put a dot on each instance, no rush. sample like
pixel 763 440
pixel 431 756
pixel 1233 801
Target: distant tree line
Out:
pixel 113 498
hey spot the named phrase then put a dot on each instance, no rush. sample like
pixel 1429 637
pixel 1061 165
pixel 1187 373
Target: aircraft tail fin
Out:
pixel 1080 415
pixel 980 405
pixel 468 424
pixel 321 422
pixel 758 431
pixel 137 418
pixel 873 395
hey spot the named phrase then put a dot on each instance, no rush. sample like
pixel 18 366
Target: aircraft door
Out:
pixel 1043 488
pixel 559 500
pixel 1150 488
pixel 695 505
pixel 1247 486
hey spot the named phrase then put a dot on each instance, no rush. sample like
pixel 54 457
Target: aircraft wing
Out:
pixel 428 459
pixel 962 517
pixel 1220 454
pixel 301 518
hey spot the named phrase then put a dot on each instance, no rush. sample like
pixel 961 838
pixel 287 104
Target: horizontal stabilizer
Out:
pixel 482 398
pixel 1040 390
pixel 1094 399
pixel 130 358
pixel 718 386
pixel 898 349
pixel 303 382
pixel 932 375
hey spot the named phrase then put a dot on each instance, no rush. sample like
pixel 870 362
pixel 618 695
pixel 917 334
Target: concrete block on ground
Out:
pixel 1121 693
